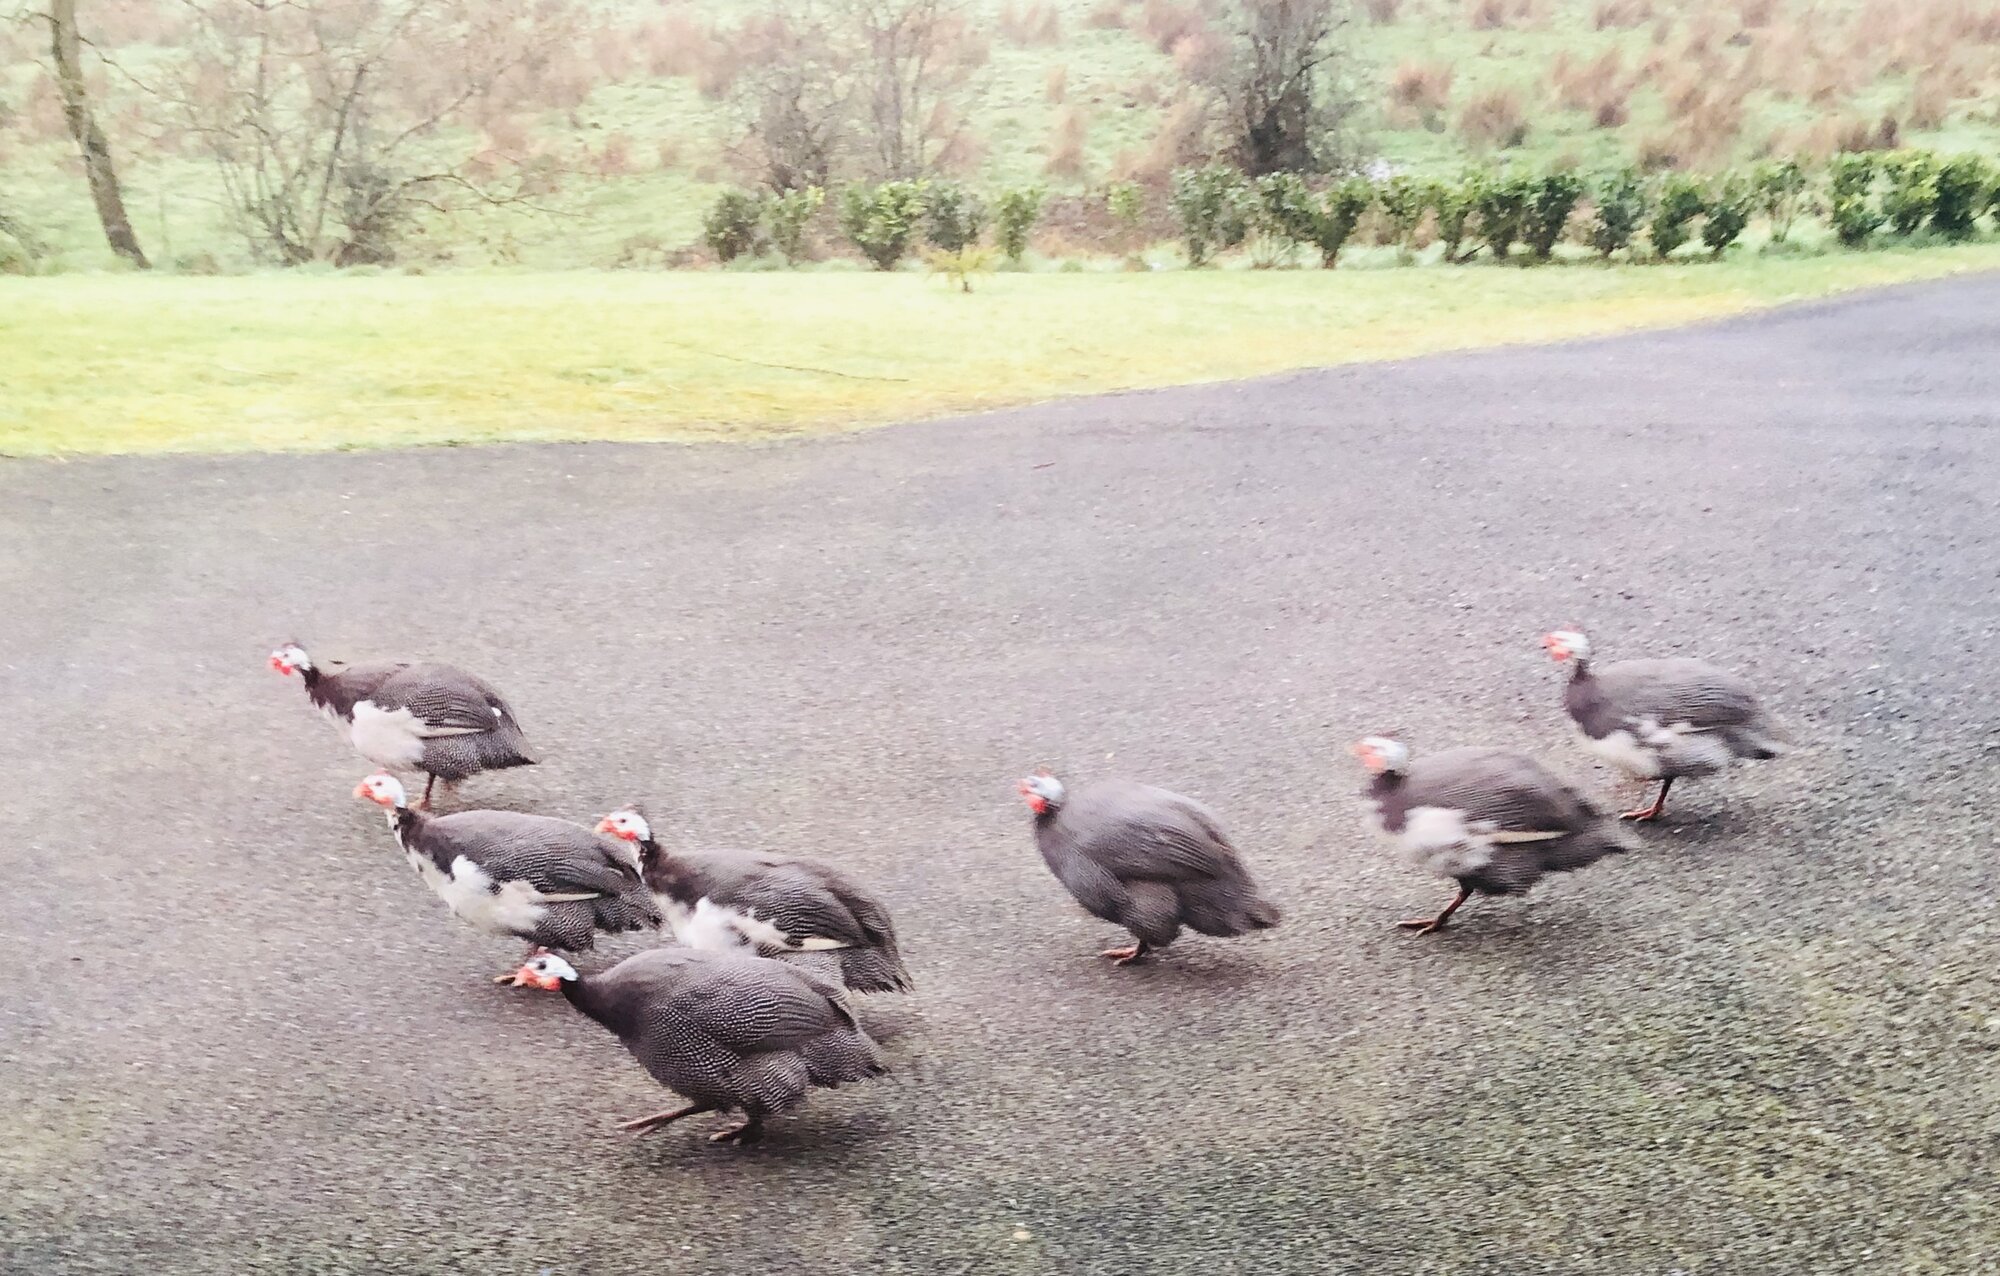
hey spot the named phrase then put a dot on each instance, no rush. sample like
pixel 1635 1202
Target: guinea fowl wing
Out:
pixel 446 701
pixel 1139 833
pixel 554 856
pixel 799 904
pixel 1677 691
pixel 1509 792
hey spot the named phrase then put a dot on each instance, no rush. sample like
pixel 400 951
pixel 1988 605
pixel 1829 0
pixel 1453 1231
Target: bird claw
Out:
pixel 745 1133
pixel 1422 925
pixel 1644 815
pixel 1124 956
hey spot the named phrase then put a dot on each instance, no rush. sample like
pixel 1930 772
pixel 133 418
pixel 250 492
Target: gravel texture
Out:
pixel 237 1032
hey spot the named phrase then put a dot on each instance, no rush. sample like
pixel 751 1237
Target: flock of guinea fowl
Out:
pixel 750 1008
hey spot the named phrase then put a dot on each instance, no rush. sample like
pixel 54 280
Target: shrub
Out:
pixel 1725 212
pixel 1209 204
pixel 1621 205
pixel 959 265
pixel 1549 206
pixel 1335 214
pixel 1126 202
pixel 1495 118
pixel 1015 214
pixel 1911 195
pixel 1404 202
pixel 1453 204
pixel 733 226
pixel 954 217
pixel 789 214
pixel 881 220
pixel 1679 203
pixel 1964 183
pixel 1282 217
pixel 1850 182
pixel 1502 205
pixel 1780 192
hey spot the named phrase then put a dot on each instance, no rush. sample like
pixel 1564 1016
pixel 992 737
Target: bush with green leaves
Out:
pixel 1502 204
pixel 1911 193
pixel 1620 199
pixel 789 213
pixel 1404 200
pixel 1336 213
pixel 1209 204
pixel 1281 219
pixel 1726 208
pixel 881 220
pixel 1453 202
pixel 1964 184
pixel 1780 187
pixel 1014 216
pixel 1850 203
pixel 1126 202
pixel 1679 202
pixel 734 225
pixel 1554 199
pixel 954 217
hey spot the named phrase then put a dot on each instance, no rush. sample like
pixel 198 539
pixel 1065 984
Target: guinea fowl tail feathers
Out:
pixel 1261 915
pixel 873 970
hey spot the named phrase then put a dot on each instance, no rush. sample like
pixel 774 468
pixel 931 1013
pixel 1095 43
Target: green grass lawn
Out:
pixel 127 363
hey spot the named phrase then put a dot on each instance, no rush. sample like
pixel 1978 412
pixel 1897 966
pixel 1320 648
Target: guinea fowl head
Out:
pixel 1383 756
pixel 382 789
pixel 1044 793
pixel 1567 644
pixel 543 970
pixel 626 822
pixel 290 659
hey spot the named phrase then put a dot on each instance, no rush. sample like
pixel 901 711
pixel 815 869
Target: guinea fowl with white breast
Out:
pixel 776 905
pixel 1491 820
pixel 548 882
pixel 1663 719
pixel 1145 859
pixel 414 717
pixel 727 1031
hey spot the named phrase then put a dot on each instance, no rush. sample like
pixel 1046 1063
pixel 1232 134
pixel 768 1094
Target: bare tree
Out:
pixel 794 96
pixel 1285 88
pixel 329 120
pixel 918 58
pixel 65 46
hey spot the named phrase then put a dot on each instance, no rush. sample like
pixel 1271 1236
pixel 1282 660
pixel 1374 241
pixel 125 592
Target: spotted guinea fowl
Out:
pixel 1663 719
pixel 417 717
pixel 1491 820
pixel 546 881
pixel 776 905
pixel 1148 860
pixel 727 1031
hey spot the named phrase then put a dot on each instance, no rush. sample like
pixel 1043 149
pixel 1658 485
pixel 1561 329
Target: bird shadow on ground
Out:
pixel 844 1136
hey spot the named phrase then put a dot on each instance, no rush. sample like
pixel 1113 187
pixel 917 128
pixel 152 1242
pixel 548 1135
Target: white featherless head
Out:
pixel 290 659
pixel 1566 644
pixel 1383 756
pixel 383 789
pixel 1043 792
pixel 627 823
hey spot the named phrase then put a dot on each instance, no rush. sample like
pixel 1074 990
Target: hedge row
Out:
pixel 1507 214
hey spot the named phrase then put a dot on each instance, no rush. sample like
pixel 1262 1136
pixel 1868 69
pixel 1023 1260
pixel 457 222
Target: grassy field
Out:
pixel 1700 82
pixel 310 361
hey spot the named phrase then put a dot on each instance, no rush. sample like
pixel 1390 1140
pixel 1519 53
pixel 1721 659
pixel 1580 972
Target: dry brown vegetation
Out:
pixel 1419 92
pixel 1034 24
pixel 1066 142
pixel 1494 118
pixel 1055 85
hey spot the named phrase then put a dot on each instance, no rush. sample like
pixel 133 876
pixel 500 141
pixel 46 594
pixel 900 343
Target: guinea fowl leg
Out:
pixel 428 786
pixel 749 1132
pixel 1659 804
pixel 1425 925
pixel 1126 956
pixel 647 1124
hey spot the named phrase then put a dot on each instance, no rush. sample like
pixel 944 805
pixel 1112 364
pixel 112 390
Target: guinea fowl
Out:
pixel 774 904
pixel 546 881
pixel 422 717
pixel 1491 820
pixel 1148 860
pixel 1663 719
pixel 727 1031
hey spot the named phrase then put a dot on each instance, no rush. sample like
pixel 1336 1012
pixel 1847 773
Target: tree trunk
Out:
pixel 90 140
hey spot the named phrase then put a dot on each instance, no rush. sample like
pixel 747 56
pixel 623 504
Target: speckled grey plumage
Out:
pixel 1690 716
pixel 731 1030
pixel 468 726
pixel 801 897
pixel 1151 861
pixel 1492 791
pixel 554 856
